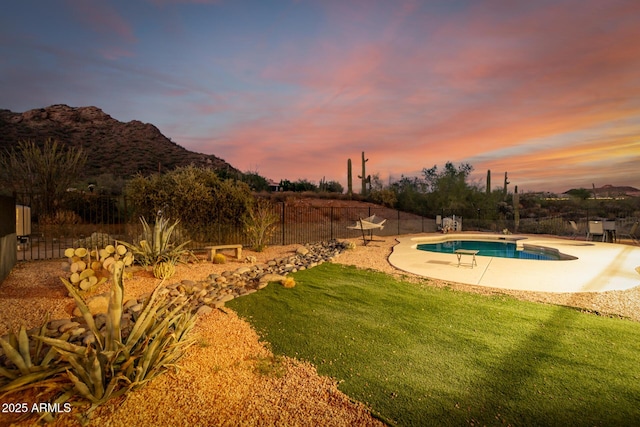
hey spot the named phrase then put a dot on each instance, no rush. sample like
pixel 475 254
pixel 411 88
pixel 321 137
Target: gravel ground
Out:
pixel 229 377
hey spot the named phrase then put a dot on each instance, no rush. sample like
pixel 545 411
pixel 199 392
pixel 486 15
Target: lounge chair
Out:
pixel 632 234
pixel 595 228
pixel 368 224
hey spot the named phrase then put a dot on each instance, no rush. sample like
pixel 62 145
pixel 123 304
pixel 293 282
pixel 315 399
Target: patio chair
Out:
pixel 574 229
pixel 368 224
pixel 632 234
pixel 595 228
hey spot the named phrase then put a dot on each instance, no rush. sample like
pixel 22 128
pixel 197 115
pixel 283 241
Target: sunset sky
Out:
pixel 546 90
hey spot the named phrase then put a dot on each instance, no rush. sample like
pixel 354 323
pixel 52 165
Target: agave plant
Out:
pixel 118 364
pixel 30 364
pixel 156 244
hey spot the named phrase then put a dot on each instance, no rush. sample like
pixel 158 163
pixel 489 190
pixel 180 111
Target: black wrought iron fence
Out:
pixel 84 214
pixel 46 236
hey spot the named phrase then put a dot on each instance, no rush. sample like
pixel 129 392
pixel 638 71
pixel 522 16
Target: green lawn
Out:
pixel 427 356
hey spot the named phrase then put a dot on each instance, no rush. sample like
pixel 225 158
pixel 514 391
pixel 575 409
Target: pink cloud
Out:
pixel 105 21
pixel 102 18
pixel 494 79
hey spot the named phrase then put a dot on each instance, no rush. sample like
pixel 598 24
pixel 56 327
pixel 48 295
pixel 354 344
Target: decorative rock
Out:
pixel 78 331
pixel 271 278
pixel 69 325
pixel 130 303
pixel 242 270
pixel 214 291
pixel 88 339
pixel 226 298
pixel 205 309
pixel 100 320
pixel 55 324
pixel 136 308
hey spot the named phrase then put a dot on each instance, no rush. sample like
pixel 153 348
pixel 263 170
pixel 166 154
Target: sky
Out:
pixel 548 91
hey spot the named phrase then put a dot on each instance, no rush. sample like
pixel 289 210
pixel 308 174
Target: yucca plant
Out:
pixel 118 364
pixel 156 244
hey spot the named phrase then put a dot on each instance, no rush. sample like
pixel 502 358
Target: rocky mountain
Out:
pixel 122 149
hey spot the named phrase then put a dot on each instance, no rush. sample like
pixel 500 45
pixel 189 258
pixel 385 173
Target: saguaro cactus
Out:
pixel 516 208
pixel 489 181
pixel 506 182
pixel 349 179
pixel 364 177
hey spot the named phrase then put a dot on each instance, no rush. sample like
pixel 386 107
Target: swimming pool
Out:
pixel 501 249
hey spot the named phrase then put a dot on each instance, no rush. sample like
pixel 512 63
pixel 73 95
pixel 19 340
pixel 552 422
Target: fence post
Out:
pixel 282 222
pixel 398 222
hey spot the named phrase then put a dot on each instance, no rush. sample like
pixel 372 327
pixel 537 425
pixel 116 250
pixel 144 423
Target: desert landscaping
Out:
pixel 228 376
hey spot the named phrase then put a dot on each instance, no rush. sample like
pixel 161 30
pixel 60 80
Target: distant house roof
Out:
pixel 273 186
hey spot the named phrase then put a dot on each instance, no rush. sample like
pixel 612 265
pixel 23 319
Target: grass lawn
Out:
pixel 427 356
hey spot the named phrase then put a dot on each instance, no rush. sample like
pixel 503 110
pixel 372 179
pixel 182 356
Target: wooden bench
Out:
pixel 215 249
pixel 473 253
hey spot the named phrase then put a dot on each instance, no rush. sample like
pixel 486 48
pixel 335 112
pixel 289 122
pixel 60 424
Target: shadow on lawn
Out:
pixel 520 388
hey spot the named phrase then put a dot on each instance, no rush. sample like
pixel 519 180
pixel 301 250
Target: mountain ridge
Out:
pixel 112 147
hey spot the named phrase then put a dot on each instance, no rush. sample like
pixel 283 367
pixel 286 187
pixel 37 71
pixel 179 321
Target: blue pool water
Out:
pixel 493 249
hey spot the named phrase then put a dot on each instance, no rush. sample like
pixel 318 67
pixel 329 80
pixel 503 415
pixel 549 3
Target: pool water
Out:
pixel 492 249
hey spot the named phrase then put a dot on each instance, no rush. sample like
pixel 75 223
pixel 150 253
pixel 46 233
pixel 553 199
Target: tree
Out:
pixel 333 187
pixel 195 196
pixel 255 181
pixel 580 193
pixel 44 173
pixel 449 189
pixel 381 195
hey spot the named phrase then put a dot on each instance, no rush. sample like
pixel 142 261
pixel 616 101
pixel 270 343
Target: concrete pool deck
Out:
pixel 599 266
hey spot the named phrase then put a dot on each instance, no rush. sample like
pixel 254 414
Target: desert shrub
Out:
pixel 260 223
pixel 195 196
pixel 349 245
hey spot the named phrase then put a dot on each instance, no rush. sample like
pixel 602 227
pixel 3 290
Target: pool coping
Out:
pixel 598 267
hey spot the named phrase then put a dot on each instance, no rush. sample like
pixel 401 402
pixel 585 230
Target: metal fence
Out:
pixel 46 236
